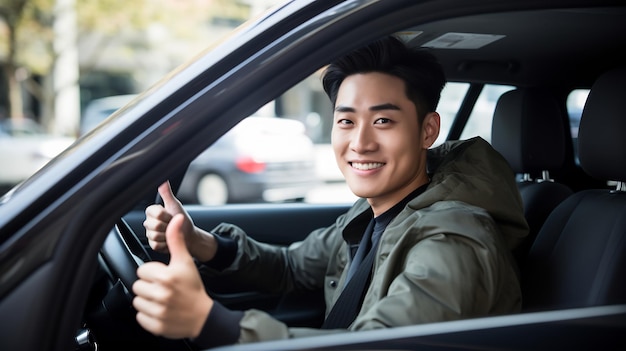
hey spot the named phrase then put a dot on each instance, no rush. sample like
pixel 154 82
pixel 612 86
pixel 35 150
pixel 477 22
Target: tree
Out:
pixel 30 47
pixel 12 12
pixel 40 40
pixel 33 47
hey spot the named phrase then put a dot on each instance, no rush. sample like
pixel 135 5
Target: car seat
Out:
pixel 579 256
pixel 528 130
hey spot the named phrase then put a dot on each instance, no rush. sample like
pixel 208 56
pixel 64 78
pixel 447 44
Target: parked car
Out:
pixel 97 110
pixel 262 159
pixel 70 239
pixel 24 149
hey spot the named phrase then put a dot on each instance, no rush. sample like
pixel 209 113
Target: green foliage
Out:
pixel 31 21
pixel 110 16
pixel 128 27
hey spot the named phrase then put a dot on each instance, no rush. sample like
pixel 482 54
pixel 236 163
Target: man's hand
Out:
pixel 170 299
pixel 158 217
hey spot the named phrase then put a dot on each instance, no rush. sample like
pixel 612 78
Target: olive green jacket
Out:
pixel 446 255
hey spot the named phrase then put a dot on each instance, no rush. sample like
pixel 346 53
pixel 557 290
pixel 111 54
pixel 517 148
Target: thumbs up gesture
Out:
pixel 170 299
pixel 158 218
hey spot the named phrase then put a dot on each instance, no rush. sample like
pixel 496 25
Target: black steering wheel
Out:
pixel 124 253
pixel 111 319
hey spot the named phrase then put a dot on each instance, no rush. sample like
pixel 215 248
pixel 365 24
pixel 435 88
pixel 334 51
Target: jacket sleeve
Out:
pixel 302 265
pixel 259 326
pixel 273 268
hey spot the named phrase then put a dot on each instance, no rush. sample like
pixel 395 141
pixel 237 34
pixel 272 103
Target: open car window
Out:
pixel 575 104
pixel 479 122
pixel 257 163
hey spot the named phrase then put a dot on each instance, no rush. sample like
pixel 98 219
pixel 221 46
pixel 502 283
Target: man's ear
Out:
pixel 430 129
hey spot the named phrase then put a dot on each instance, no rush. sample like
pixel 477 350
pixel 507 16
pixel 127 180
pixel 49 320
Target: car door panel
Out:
pixel 279 224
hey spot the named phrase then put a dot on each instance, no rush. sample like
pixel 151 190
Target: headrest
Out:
pixel 602 130
pixel 528 130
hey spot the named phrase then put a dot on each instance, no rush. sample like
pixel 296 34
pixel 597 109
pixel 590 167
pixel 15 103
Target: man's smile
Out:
pixel 366 166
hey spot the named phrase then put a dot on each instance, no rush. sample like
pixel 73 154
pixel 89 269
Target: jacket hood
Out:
pixel 472 171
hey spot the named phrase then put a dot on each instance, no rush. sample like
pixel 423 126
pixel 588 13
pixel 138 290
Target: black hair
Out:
pixel 419 69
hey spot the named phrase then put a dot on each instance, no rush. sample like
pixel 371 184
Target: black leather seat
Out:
pixel 579 256
pixel 528 130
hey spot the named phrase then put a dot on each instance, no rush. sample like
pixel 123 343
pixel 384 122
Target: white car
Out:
pixel 25 148
pixel 263 159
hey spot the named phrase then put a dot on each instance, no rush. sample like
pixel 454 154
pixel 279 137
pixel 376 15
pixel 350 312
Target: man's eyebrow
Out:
pixel 381 107
pixel 387 106
pixel 344 109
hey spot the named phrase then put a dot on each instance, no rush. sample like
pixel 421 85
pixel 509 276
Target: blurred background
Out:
pixel 68 64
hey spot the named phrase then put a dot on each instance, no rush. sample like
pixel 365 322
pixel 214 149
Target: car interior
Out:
pixel 573 188
pixel 529 131
pixel 574 255
pixel 578 256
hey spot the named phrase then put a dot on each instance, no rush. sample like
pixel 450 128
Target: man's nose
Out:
pixel 363 139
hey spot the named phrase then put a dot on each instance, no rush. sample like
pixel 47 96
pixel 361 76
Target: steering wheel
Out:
pixel 112 319
pixel 124 253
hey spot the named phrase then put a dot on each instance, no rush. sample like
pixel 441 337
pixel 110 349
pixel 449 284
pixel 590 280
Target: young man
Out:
pixel 439 232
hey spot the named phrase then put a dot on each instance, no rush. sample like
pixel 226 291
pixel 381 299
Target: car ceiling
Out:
pixel 532 51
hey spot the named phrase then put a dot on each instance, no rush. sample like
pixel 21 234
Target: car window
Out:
pixel 255 163
pixel 264 158
pixel 479 122
pixel 451 98
pixel 575 103
pixel 281 153
pixel 25 148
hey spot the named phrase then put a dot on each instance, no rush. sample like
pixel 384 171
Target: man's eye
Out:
pixel 382 121
pixel 344 121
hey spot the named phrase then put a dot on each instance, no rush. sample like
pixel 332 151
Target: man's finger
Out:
pixel 158 213
pixel 176 241
pixel 151 271
pixel 170 202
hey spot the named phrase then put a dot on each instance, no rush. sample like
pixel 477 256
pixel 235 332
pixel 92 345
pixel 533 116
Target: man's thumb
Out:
pixel 166 193
pixel 176 240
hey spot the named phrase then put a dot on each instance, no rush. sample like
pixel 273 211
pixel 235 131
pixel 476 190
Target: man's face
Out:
pixel 377 139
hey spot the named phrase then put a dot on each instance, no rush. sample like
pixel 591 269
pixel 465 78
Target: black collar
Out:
pixel 354 230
